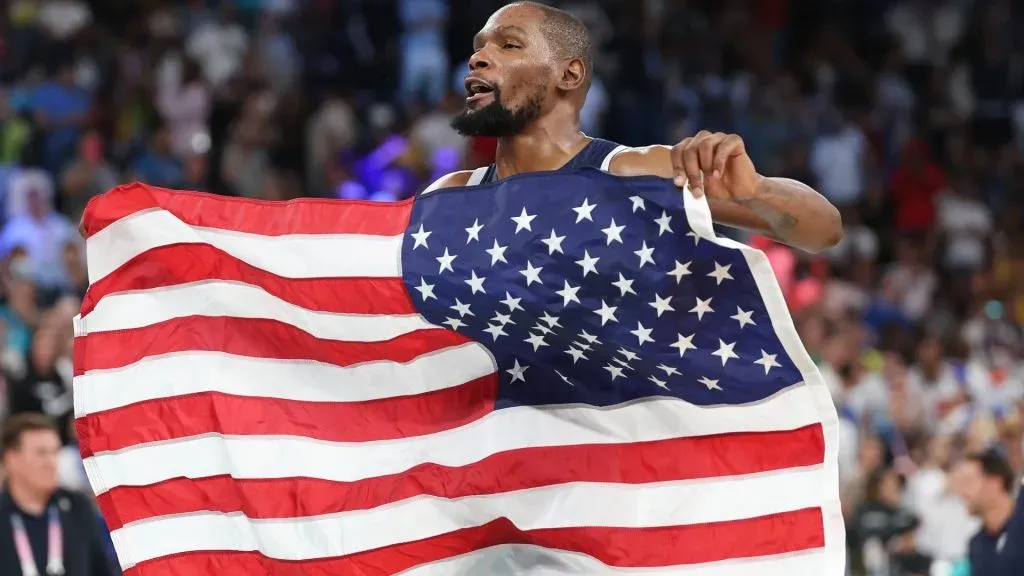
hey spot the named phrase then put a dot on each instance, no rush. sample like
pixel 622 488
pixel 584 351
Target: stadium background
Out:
pixel 907 114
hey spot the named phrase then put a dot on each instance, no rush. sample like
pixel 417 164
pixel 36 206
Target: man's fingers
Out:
pixel 691 166
pixel 730 146
pixel 706 152
pixel 678 170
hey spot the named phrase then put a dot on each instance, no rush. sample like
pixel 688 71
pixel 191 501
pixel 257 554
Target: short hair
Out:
pixel 994 464
pixel 567 34
pixel 16 426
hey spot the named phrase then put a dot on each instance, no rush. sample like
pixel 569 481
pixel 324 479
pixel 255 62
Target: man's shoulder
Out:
pixel 653 160
pixel 450 180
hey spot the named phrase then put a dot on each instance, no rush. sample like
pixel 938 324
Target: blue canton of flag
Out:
pixel 591 288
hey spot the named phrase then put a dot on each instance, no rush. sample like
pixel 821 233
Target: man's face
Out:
pixel 34 461
pixel 511 71
pixel 973 486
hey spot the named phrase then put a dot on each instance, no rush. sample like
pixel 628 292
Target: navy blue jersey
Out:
pixel 596 154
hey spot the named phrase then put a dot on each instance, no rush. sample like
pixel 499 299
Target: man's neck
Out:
pixel 31 501
pixel 996 517
pixel 547 145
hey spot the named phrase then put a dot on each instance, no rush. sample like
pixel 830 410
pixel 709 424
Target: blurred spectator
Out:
pixel 219 45
pixel 987 484
pixel 88 175
pixel 424 58
pixel 158 165
pixel 41 511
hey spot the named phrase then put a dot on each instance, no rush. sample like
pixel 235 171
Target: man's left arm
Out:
pixel 718 165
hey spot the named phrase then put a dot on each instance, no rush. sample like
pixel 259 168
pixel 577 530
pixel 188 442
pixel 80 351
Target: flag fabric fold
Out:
pixel 552 374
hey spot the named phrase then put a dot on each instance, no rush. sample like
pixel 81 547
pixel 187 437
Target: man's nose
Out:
pixel 479 60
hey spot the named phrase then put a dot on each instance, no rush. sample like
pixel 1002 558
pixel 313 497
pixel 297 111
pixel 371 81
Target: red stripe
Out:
pixel 636 463
pixel 783 533
pixel 184 263
pixel 300 216
pixel 209 412
pixel 263 339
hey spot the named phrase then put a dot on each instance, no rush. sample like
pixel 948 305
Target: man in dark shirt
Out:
pixel 44 530
pixel 987 488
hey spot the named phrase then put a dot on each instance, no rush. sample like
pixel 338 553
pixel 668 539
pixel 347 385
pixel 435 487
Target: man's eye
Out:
pixel 510 46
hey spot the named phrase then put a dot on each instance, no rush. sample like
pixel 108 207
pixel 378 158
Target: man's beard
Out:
pixel 496 120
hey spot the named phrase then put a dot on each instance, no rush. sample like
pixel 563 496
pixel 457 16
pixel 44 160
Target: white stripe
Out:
pixel 184 373
pixel 559 506
pixel 519 559
pixel 136 309
pixel 291 256
pixel 698 214
pixel 499 431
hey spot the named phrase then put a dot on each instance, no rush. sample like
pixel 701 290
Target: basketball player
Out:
pixel 528 79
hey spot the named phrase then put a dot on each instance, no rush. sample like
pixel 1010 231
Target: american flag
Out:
pixel 551 375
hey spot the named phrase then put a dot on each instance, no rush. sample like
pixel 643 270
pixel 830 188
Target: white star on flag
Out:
pixel 495 330
pixel 551 321
pixel 532 274
pixel 711 384
pixel 668 370
pixel 453 323
pixel 554 243
pixel 680 270
pixel 657 382
pixel 462 309
pixel 537 340
pixel 588 263
pixel 426 290
pixel 445 261
pixel 474 231
pixel 568 294
pixel 523 221
pixel 576 354
pixel 725 351
pixel 642 334
pixel 663 223
pixel 743 317
pixel 624 285
pixel 497 253
pixel 645 254
pixel 702 307
pixel 768 361
pixel 512 303
pixel 476 284
pixel 721 273
pixel 684 343
pixel 613 232
pixel 638 203
pixel 662 305
pixel 584 210
pixel 421 238
pixel 607 313
pixel 614 370
pixel 517 371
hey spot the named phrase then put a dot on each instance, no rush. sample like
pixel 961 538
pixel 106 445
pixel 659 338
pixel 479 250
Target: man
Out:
pixel 44 531
pixel 528 80
pixel 986 485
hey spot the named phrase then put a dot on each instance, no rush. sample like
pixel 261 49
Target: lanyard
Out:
pixel 55 545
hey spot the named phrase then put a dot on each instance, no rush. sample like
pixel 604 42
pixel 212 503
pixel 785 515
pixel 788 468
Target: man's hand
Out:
pixel 718 163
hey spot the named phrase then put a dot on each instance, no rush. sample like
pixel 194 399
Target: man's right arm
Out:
pixel 450 180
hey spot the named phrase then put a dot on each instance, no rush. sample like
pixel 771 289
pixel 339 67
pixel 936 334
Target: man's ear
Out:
pixel 574 74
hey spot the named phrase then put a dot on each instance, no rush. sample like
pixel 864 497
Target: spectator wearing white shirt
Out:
pixel 219 46
pixel 838 158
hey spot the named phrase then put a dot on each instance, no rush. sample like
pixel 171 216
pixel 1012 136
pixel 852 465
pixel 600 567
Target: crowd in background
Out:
pixel 907 114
